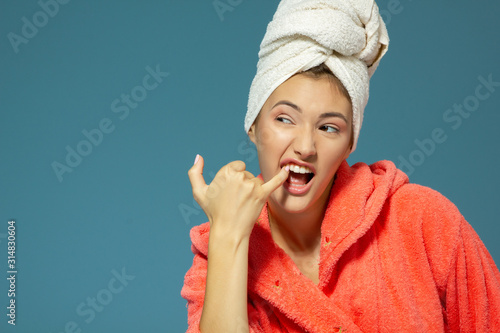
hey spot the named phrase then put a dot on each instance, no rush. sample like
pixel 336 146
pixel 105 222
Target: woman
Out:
pixel 312 244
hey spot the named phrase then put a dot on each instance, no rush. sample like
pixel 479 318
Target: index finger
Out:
pixel 275 182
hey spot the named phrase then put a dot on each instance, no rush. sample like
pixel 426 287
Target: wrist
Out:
pixel 228 234
pixel 229 240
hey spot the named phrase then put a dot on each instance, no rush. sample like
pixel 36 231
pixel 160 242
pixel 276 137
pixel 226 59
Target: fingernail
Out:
pixel 196 159
pixel 287 168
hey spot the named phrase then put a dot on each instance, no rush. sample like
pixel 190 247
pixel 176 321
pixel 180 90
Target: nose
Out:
pixel 304 144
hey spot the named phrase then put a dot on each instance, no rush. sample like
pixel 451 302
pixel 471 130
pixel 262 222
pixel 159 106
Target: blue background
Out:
pixel 120 207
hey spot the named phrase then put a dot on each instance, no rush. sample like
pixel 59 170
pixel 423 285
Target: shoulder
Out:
pixel 428 223
pixel 424 202
pixel 406 197
pixel 424 217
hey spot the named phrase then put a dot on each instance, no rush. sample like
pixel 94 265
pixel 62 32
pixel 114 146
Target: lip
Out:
pixel 296 190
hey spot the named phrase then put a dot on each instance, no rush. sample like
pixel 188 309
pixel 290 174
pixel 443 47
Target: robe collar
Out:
pixel 356 200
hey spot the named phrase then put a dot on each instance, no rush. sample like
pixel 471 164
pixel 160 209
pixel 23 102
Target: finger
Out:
pixel 248 175
pixel 196 176
pixel 237 166
pixel 275 182
pixel 227 170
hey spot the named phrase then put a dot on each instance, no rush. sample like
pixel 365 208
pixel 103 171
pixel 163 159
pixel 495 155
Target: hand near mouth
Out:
pixel 235 197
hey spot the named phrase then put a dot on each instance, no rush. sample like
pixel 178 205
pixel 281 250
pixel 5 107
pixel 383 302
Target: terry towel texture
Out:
pixel 395 257
pixel 350 37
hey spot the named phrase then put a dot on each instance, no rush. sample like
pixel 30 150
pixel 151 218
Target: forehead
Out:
pixel 311 94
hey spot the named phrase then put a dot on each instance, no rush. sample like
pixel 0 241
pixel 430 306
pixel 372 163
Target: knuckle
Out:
pixel 191 172
pixel 237 165
pixel 239 176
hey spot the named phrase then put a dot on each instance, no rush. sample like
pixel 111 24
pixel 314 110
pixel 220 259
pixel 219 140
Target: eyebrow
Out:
pixel 323 115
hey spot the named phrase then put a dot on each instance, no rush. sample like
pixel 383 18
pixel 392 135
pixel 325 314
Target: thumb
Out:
pixel 196 178
pixel 276 181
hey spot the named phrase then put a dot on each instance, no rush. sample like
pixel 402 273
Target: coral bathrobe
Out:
pixel 395 257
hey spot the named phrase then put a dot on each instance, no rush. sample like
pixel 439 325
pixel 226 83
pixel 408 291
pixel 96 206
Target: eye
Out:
pixel 283 120
pixel 329 129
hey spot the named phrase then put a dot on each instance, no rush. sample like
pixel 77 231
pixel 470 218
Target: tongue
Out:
pixel 299 179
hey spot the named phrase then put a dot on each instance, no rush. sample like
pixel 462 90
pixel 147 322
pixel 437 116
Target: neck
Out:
pixel 298 232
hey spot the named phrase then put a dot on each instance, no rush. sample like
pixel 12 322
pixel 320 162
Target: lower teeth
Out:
pixel 298 180
pixel 296 184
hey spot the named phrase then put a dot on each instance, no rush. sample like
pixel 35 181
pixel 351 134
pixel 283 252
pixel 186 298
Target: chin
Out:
pixel 291 203
pixel 294 207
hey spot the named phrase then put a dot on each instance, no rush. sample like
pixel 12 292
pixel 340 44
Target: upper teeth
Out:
pixel 299 169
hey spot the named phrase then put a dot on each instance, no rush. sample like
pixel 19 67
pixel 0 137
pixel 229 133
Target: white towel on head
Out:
pixel 350 37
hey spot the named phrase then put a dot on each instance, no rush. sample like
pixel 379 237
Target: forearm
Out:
pixel 225 304
pixel 232 203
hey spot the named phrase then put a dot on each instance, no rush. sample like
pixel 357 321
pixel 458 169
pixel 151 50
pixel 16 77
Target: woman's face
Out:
pixel 305 123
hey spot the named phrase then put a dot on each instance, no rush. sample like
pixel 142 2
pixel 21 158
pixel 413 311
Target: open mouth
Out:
pixel 299 176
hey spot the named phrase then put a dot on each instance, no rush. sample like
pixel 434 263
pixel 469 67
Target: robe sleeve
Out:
pixel 465 274
pixel 194 291
pixel 473 287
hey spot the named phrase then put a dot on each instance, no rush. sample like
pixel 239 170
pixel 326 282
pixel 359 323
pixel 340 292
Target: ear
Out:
pixel 251 134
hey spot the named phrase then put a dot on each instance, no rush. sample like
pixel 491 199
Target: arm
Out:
pixel 473 288
pixel 465 274
pixel 194 288
pixel 232 203
pixel 225 305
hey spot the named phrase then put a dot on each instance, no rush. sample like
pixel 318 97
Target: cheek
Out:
pixel 332 157
pixel 272 142
pixel 271 146
pixel 273 139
